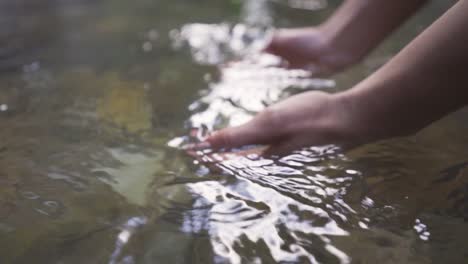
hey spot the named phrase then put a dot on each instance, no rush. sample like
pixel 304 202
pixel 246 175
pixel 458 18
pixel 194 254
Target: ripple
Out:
pixel 288 208
pixel 73 180
pixel 248 80
pixel 50 208
pixel 261 198
pixel 30 195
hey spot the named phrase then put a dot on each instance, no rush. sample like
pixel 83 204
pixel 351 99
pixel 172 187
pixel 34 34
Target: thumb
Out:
pixel 260 130
pixel 232 137
pixel 275 44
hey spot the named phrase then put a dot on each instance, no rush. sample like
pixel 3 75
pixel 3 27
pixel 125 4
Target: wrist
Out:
pixel 366 117
pixel 347 124
pixel 363 119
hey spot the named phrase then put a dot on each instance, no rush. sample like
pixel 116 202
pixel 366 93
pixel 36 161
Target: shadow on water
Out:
pixel 93 92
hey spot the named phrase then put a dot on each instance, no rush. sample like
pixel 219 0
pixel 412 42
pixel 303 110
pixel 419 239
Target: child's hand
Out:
pixel 312 118
pixel 310 49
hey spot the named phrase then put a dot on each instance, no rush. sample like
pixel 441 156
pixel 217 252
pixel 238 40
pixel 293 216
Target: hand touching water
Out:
pixel 414 89
pixel 312 118
pixel 354 30
pixel 309 49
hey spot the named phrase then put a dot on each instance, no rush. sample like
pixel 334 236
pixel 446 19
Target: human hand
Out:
pixel 310 49
pixel 311 118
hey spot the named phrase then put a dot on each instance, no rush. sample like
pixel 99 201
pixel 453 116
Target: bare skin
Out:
pixel 345 38
pixel 424 82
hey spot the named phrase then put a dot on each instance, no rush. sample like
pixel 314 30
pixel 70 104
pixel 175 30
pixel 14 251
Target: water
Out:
pixel 96 101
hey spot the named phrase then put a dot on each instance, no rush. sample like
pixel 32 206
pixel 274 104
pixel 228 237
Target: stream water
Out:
pixel 96 97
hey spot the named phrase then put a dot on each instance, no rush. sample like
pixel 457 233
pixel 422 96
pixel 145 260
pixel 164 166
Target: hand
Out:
pixel 310 49
pixel 311 118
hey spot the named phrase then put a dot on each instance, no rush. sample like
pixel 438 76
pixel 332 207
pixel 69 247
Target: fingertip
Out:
pixel 256 131
pixel 197 146
pixel 272 46
pixel 220 139
pixel 269 47
pixel 231 137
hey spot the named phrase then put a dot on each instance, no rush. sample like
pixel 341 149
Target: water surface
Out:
pixel 96 96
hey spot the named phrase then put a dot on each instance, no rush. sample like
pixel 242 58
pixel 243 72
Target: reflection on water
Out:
pixel 308 4
pixel 218 43
pixel 92 98
pixel 248 80
pixel 124 236
pixel 287 208
pixel 133 177
pixel 247 87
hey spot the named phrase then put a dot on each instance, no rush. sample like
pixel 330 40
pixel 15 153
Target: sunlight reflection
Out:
pixel 128 229
pixel 269 197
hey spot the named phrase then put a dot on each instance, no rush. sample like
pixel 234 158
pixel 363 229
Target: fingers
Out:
pixel 263 129
pixel 272 46
pixel 282 44
pixel 315 69
pixel 276 45
pixel 247 134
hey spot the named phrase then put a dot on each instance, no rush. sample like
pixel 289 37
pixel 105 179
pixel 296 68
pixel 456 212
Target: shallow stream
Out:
pixel 97 96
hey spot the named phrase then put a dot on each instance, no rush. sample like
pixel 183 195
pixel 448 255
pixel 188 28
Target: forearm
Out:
pixel 358 26
pixel 424 82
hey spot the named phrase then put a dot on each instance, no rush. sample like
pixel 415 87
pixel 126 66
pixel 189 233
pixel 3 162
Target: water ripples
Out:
pixel 100 185
pixel 288 211
pixel 288 208
pixel 247 80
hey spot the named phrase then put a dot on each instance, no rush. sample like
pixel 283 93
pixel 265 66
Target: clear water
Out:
pixel 96 96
